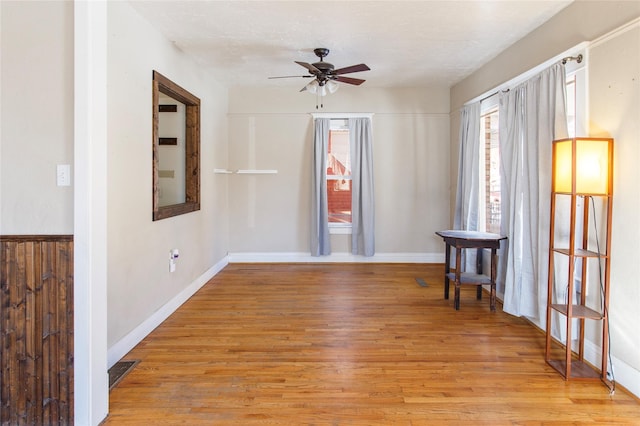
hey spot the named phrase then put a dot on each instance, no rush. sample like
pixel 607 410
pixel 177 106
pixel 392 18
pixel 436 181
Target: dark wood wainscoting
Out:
pixel 36 302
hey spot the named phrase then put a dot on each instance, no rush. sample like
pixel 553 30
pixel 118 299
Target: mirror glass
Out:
pixel 171 151
pixel 176 149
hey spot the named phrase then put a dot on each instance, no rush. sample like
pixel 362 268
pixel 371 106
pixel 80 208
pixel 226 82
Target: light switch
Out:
pixel 63 175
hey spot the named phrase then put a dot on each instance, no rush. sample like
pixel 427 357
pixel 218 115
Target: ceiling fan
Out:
pixel 326 75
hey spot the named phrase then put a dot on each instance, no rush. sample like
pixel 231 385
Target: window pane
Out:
pixel 339 200
pixel 492 172
pixel 339 177
pixel 339 158
pixel 571 105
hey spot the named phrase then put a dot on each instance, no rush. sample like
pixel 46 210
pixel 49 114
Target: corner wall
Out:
pixel 139 282
pixel 614 111
pixel 273 128
pixel 614 108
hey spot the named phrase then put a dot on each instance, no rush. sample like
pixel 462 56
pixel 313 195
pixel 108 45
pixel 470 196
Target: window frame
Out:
pixel 340 227
pixel 578 71
pixel 487 107
pixel 581 118
pixel 336 228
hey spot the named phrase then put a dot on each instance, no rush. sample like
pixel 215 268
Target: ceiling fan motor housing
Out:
pixel 325 67
pixel 325 72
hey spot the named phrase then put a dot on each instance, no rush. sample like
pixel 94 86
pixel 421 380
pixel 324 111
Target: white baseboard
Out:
pixel 336 258
pixel 624 374
pixel 128 342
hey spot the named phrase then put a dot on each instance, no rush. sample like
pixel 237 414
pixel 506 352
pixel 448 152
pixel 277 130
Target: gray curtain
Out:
pixel 362 197
pixel 466 213
pixel 468 189
pixel 320 242
pixel 532 115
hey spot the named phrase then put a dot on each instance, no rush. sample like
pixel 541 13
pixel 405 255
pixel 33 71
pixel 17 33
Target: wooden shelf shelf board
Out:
pixel 470 278
pixel 577 311
pixel 579 252
pixel 579 369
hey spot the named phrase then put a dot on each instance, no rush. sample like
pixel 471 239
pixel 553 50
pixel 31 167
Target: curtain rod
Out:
pixel 493 94
pixel 566 59
pixel 578 59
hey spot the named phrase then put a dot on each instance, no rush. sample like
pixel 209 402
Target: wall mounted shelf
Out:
pixel 256 172
pixel 246 172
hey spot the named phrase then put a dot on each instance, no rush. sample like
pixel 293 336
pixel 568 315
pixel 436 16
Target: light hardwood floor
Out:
pixel 349 344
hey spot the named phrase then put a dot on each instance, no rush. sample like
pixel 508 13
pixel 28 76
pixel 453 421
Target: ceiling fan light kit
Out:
pixel 321 89
pixel 326 76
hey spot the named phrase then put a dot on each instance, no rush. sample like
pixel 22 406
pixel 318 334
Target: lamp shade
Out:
pixel 332 86
pixel 582 165
pixel 312 87
pixel 327 87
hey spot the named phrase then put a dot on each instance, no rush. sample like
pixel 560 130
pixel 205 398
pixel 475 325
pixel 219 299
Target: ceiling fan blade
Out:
pixel 291 76
pixel 352 68
pixel 310 67
pixel 350 80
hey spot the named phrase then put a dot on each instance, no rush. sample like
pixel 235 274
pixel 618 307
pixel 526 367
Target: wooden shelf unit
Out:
pixel 580 252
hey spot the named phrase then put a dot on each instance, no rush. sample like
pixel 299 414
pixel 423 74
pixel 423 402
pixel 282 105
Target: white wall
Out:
pixel 614 108
pixel 272 129
pixel 139 281
pixel 36 117
pixel 614 111
pixel 91 381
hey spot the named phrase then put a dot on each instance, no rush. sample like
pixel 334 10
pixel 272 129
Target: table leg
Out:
pixel 494 267
pixel 447 269
pixel 479 271
pixel 456 299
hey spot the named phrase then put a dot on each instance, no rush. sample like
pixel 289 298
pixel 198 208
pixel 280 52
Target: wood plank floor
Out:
pixel 349 344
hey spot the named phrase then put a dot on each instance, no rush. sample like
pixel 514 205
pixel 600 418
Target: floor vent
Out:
pixel 421 282
pixel 119 370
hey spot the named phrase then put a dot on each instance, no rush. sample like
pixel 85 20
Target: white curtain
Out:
pixel 362 197
pixel 532 115
pixel 468 189
pixel 320 241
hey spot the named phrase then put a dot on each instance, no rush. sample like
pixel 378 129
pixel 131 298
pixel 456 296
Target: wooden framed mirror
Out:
pixel 176 149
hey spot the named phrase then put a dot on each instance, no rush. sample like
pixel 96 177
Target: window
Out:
pixel 341 136
pixel 489 220
pixel 492 171
pixel 571 105
pixel 576 89
pixel 339 175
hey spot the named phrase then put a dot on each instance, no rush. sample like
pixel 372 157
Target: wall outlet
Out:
pixel 173 255
pixel 63 175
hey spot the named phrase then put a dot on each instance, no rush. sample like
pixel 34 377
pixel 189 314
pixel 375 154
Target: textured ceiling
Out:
pixel 405 43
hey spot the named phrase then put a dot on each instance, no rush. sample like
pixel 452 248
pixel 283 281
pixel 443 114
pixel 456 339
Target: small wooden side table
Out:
pixel 466 240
